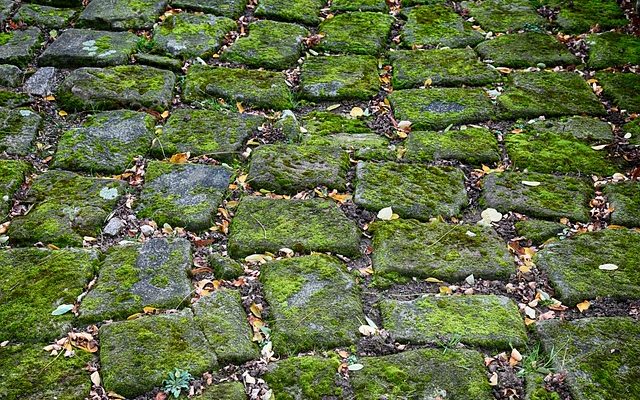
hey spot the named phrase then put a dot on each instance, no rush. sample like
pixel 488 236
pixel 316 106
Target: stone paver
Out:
pixel 503 16
pixel 611 49
pixel 308 376
pixel 226 8
pixel 620 88
pixel 19 47
pixel 580 18
pixel 18 128
pixel 303 11
pixel 355 33
pixel 474 146
pixel 437 25
pixel 121 15
pixel 44 16
pixel 12 174
pixel 624 198
pixel 539 231
pixel 10 75
pixel 339 78
pixel 223 391
pixel 527 49
pixel 587 129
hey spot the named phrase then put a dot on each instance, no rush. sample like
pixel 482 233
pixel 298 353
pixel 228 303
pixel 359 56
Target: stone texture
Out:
pixel 621 89
pixel 19 47
pixel 503 16
pixel 322 123
pixel 579 18
pixel 121 15
pixel 225 267
pixel 12 175
pixel 539 231
pixel 162 62
pixel 624 198
pixel 5 9
pixel 359 5
pixel 10 75
pixel 44 16
pixel 42 82
pixel 528 49
pixel 226 8
pixel 474 146
pixel 355 33
pixel 612 49
pixel 223 391
pixel 303 11
pixel 632 131
pixel 339 78
pixel 13 99
pixel 308 377
pixel 437 25
pixel 586 129
pixel 18 128
pixel 361 146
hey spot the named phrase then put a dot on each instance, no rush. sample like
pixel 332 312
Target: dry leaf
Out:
pixel 333 107
pixel 608 267
pixel 583 306
pixel 367 330
pixel 531 183
pixel 493 381
pixel 356 112
pixel 386 214
pixel 179 158
pixel 165 114
pixel 95 378
pixel 50 98
pixel 256 309
pixel 428 82
pixel 62 113
pixel 239 106
pixel 599 147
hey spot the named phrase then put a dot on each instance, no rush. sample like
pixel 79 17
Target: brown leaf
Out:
pixel 179 158
pixel 583 306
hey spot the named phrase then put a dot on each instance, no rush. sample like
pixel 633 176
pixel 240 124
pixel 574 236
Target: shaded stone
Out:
pixel 579 18
pixel 13 99
pixel 117 87
pixel 407 248
pixel 326 123
pixel 224 324
pixel 539 231
pixel 363 146
pixel 18 129
pixel 624 198
pixel 304 11
pixel 444 67
pixel 88 48
pixel 437 108
pixel 290 169
pixel 473 146
pixel 260 89
pixel 555 196
pixel 226 8
pixel 528 49
pixel 191 35
pixel 106 142
pixel 58 3
pixel 317 285
pixel 503 16
pixel 573 265
pixel 162 62
pixel 487 321
pixel 590 130
pixel 113 227
pixel 552 94
pixel 139 354
pixel 613 49
pixel 632 132
pixel 356 33
pixel 621 89
pixel 44 16
pixel 185 195
pixel 223 391
pixel 437 25
pixel 289 125
pixel 19 47
pixel 153 274
pixel 271 45
pixel 34 283
pixel 218 134
pixel 5 9
pixel 121 15
pixel 225 267
pixel 413 191
pixel 359 5
pixel 10 75
pixel 308 377
pixel 42 82
pixel 302 225
pixel 339 78
pixel 12 174
pixel 424 374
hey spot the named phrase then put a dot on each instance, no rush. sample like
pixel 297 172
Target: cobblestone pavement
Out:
pixel 295 199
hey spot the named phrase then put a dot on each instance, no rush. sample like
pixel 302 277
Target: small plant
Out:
pixel 177 381
pixel 451 343
pixel 535 361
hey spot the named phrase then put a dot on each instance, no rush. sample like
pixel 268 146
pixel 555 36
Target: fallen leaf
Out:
pixel 493 380
pixel 165 114
pixel 50 98
pixel 355 367
pixel 62 309
pixel 583 306
pixel 62 113
pixel 433 280
pixel 608 267
pixel 239 106
pixel 386 214
pixel 356 112
pixel 366 330
pixel 530 312
pixel 256 309
pixel 428 82
pixel 515 354
pixel 179 158
pixel 491 214
pixel 149 310
pixel 333 107
pixel 445 290
pixel 95 378
pixel 531 183
pixel 599 147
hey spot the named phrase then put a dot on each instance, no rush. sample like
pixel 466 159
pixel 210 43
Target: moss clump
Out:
pixel 339 78
pixel 12 174
pixel 473 146
pixel 313 378
pixel 587 129
pixel 539 231
pixel 121 15
pixel 500 16
pixel 44 16
pixel 437 25
pixel 223 391
pixel 226 8
pixel 304 11
pixel 19 47
pixel 364 146
pixel 621 88
pixel 13 99
pixel 359 5
pixel 302 225
pixel 613 49
pixel 322 123
pixel 356 33
pixel 632 128
pixel 579 18
pixel 445 67
pixel 625 199
pixel 224 267
pixel 527 49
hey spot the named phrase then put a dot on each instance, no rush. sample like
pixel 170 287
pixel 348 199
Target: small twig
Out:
pixel 264 230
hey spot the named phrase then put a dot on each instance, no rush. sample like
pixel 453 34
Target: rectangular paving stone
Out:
pixel 304 11
pixel 573 266
pixel 586 129
pixel 88 48
pixel 33 283
pixel 224 323
pixel 153 274
pixel 487 321
pixel 289 169
pixel 552 94
pixel 106 142
pixel 44 16
pixel 621 88
pixel 124 86
pixel 326 123
pixel 503 16
pixel 624 198
pixel 302 225
pixel 444 67
pixel 252 88
pixel 58 3
pixel 359 5
pixel 362 146
pixel 226 8
pixel 314 304
pixel 137 355
pixel 403 249
pixel 437 108
pixel 121 15
pixel 311 377
pixel 185 195
pixel 612 49
pixel 437 25
pixel 412 190
pixel 554 197
pixel 355 33
pixel 424 374
pixel 579 18
pixel 474 146
pixel 223 391
pixel 19 47
pixel 599 355
pixel 539 231
pixel 12 175
pixel 339 78
pixel 18 129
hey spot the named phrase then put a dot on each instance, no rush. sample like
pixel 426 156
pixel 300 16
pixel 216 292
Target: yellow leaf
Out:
pixel 134 316
pixel 165 114
pixel 402 134
pixel 50 98
pixel 583 306
pixel 445 290
pixel 340 198
pixel 504 70
pixel 256 309
pixel 240 108
pixel 433 280
pixel 386 214
pixel 529 321
pixel 428 82
pixel 149 310
pixel 356 112
pixel 333 107
pixel 524 269
pixel 62 113
pixel 243 178
pixel 179 158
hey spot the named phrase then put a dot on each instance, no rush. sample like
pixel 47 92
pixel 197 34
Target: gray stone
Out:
pixel 19 47
pixel 225 267
pixel 185 195
pixel 162 62
pixel 339 78
pixel 502 16
pixel 5 9
pixel 289 126
pixel 587 129
pixel 226 8
pixel 42 82
pixel 44 16
pixel 10 75
pixel 113 227
pixel 88 48
pixel 11 99
pixel 107 142
pixel 18 128
pixel 12 175
pixel 121 15
pixel 304 11
pixel 624 198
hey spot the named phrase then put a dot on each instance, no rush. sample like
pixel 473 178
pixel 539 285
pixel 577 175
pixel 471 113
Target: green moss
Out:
pixel 437 25
pixel 5 38
pixel 313 378
pixel 44 16
pixel 539 231
pixel 339 78
pixel 304 11
pixel 500 16
pixel 473 146
pixel 326 123
pixel 121 14
pixel 19 47
pixel 12 175
pixel 612 49
pixel 356 33
pixel 579 18
pixel 226 8
pixel 621 88
pixel 359 5
pixel 192 35
pixel 624 198
pixel 586 129
pixel 103 43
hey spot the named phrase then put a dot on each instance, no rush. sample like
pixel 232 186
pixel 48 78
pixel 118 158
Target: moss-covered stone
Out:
pixel 621 88
pixel 437 25
pixel 359 5
pixel 224 324
pixel 272 45
pixel 185 195
pixel 153 274
pixel 473 146
pixel 580 17
pixel 188 35
pixel 356 33
pixel 28 373
pixel 157 61
pixel 573 265
pixel 225 267
pixel 445 67
pixel 403 249
pixel 5 9
pixel 12 174
pixel 314 304
pixel 289 169
pixel 528 49
pixel 33 283
pixel 364 146
pixel 624 197
pixel 19 47
pixel 10 75
pixel 302 225
pixel 58 3
pixel 226 8
pixel 88 48
pixel 223 391
pixel 612 49
pixel 107 142
pixel 139 354
pixel 18 129
pixel 304 11
pixel 308 377
pixel 121 15
pixel 552 94
pixel 326 123
pixel 505 16
pixel 413 191
pixel 260 89
pixel 632 130
pixel 437 108
pixel 124 86
pixel 554 197
pixel 539 231
pixel 481 320
pixel 601 356
pixel 339 78
pixel 587 129
pixel 422 374
pixel 13 99
pixel 44 16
